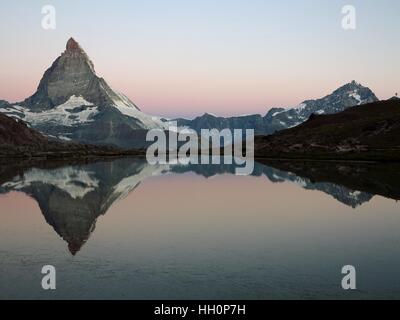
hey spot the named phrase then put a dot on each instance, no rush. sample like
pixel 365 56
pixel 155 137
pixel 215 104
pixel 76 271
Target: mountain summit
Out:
pixel 73 46
pixel 73 74
pixel 348 95
pixel 73 103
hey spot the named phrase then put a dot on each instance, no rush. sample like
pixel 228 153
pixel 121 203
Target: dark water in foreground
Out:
pixel 126 230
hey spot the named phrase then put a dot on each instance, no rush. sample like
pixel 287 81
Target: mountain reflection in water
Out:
pixel 72 197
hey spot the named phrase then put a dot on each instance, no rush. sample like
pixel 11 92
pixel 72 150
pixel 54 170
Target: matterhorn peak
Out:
pixel 72 102
pixel 73 74
pixel 72 45
pixel 74 50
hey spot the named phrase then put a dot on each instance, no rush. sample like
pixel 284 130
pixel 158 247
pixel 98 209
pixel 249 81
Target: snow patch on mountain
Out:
pixel 148 121
pixel 75 111
pixel 278 112
pixel 356 96
pixel 300 107
pixel 126 185
pixel 126 107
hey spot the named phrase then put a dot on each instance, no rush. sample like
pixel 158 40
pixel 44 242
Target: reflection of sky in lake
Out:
pixel 185 236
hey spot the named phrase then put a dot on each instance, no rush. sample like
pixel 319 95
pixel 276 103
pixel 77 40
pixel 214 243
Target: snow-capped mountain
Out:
pixel 73 103
pixel 276 119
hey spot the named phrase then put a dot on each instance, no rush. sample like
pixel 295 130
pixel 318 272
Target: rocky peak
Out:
pixel 209 115
pixel 348 95
pixel 73 74
pixel 353 85
pixel 73 51
pixel 72 45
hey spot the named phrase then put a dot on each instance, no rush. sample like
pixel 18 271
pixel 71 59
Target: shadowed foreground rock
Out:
pixel 17 140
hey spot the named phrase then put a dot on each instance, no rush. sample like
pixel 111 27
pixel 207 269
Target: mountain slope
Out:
pixel 16 133
pixel 276 119
pixel 73 103
pixel 18 140
pixel 370 131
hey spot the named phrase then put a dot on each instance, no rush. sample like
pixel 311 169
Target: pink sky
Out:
pixel 184 59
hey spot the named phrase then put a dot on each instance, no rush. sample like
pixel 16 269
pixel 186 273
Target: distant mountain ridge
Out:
pixel 277 119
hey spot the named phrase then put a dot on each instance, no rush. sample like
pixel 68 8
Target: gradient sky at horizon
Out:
pixel 227 57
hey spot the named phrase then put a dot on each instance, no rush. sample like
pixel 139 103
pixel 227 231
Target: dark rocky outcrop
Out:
pixel 367 132
pixel 17 140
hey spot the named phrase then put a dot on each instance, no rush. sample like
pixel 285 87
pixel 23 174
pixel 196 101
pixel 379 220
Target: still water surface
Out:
pixel 123 229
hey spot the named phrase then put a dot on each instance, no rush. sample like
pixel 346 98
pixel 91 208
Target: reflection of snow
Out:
pixel 79 181
pixel 300 181
pixel 126 185
pixel 347 196
pixel 355 194
pixel 76 182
